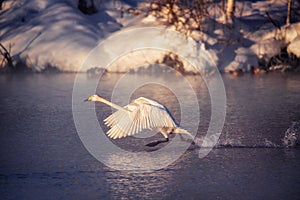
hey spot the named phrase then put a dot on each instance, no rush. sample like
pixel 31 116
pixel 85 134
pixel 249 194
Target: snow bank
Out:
pixel 273 42
pixel 245 58
pixel 54 33
pixel 129 49
pixel 292 38
pixel 268 48
pixel 294 47
pixel 267 44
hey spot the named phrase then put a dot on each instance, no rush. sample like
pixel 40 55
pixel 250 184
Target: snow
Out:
pixel 293 48
pixel 272 42
pixel 245 58
pixel 133 48
pixel 268 48
pixel 55 33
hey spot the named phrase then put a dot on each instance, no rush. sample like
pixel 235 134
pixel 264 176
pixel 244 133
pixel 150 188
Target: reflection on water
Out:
pixel 140 185
pixel 43 157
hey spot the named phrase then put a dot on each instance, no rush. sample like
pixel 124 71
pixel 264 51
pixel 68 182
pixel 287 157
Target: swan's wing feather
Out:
pixel 140 116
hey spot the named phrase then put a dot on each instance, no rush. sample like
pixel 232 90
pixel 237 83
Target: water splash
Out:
pixel 269 144
pixel 291 137
pixel 229 142
pixel 235 143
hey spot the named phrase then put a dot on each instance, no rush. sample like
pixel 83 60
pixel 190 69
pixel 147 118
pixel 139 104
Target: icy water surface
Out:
pixel 42 156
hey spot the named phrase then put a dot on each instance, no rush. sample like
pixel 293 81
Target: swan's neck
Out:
pixel 115 106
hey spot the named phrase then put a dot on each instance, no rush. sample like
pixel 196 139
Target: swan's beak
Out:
pixel 88 99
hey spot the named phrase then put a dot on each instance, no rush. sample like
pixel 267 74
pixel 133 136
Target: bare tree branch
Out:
pixel 6 56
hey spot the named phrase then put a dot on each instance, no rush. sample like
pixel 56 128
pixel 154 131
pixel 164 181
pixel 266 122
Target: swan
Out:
pixel 141 113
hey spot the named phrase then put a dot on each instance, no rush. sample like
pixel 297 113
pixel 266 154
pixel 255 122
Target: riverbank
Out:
pixel 55 35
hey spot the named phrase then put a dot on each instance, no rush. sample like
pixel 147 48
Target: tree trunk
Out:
pixel 288 18
pixel 1 2
pixel 223 5
pixel 230 11
pixel 85 8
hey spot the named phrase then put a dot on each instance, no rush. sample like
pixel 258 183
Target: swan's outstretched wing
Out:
pixel 140 115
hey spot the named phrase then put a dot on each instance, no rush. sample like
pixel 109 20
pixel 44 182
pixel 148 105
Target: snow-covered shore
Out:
pixel 55 33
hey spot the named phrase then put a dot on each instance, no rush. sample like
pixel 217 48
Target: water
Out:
pixel 42 156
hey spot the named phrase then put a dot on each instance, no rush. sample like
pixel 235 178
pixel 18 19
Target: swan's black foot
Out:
pixel 153 144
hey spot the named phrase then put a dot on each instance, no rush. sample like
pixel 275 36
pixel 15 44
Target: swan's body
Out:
pixel 141 113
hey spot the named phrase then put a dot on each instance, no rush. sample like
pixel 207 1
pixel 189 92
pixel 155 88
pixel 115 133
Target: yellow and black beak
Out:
pixel 88 99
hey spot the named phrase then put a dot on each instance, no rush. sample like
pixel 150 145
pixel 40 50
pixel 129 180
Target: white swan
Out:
pixel 141 113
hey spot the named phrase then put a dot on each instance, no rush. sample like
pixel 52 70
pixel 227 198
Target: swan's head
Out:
pixel 94 97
